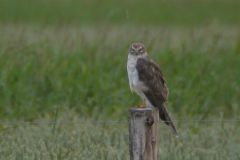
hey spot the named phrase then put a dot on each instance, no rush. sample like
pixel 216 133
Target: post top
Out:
pixel 141 111
pixel 134 109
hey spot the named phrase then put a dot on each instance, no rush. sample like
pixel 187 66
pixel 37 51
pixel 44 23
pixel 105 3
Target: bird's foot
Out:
pixel 142 106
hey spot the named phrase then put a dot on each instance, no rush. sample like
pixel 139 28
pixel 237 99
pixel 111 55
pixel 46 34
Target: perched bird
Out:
pixel 146 79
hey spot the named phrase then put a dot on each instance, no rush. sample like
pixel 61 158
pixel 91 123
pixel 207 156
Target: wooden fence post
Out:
pixel 143 136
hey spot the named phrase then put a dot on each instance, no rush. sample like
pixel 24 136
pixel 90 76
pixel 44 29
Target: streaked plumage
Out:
pixel 146 79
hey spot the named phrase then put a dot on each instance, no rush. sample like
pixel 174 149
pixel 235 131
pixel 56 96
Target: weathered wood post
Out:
pixel 143 134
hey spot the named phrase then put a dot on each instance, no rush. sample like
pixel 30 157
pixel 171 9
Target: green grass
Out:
pixel 66 61
pixel 110 141
pixel 85 68
pixel 141 12
pixel 82 71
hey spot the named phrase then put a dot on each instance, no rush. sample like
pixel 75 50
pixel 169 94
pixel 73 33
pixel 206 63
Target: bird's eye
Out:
pixel 141 50
pixel 132 50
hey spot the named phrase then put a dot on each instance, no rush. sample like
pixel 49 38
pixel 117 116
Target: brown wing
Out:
pixel 151 75
pixel 157 93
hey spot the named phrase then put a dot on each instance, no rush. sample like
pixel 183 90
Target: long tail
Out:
pixel 163 114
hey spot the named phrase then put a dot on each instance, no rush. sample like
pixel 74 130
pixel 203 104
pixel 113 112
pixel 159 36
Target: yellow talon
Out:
pixel 143 105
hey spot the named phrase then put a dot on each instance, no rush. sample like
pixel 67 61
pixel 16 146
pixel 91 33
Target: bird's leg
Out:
pixel 143 105
pixel 132 89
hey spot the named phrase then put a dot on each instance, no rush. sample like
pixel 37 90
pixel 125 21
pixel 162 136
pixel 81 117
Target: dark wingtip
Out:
pixel 163 114
pixel 173 129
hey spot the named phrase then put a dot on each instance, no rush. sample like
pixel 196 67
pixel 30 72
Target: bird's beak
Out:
pixel 136 51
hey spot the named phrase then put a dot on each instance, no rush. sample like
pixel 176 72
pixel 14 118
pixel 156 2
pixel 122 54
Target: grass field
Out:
pixel 70 58
pixel 213 141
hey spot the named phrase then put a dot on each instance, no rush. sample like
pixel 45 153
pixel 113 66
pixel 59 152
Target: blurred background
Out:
pixel 65 60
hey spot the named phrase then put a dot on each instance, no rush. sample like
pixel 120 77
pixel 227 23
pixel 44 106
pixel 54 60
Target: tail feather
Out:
pixel 163 114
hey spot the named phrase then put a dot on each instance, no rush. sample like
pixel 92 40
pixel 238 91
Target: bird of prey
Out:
pixel 146 79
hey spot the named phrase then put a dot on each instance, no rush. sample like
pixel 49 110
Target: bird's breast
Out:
pixel 131 69
pixel 134 81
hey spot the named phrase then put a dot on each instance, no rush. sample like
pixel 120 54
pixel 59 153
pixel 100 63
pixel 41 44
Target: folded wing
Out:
pixel 157 93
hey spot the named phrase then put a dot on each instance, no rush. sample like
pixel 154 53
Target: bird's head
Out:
pixel 137 49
